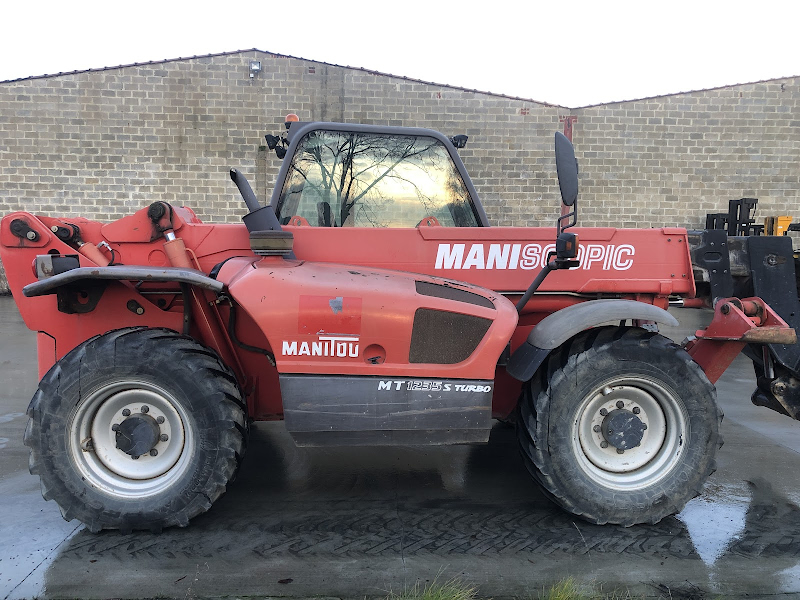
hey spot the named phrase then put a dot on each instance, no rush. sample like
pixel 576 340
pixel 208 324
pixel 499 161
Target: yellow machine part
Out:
pixel 777 225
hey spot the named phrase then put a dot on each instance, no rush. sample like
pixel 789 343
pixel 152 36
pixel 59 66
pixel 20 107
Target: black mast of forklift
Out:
pixel 763 266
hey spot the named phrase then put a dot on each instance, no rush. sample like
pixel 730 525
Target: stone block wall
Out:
pixel 671 160
pixel 104 143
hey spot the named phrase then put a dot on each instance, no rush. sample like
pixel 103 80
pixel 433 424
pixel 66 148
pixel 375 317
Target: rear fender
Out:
pixel 557 328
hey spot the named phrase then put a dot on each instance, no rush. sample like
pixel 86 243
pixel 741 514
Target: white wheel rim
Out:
pixel 92 439
pixel 662 445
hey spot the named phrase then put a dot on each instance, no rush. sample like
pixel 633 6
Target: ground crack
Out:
pixel 41 562
pixel 402 532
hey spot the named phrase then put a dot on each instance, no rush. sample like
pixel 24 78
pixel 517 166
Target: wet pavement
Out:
pixel 355 523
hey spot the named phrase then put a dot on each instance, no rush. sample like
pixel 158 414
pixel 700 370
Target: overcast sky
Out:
pixel 568 53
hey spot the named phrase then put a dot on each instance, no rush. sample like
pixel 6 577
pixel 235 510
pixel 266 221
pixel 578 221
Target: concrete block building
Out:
pixel 103 143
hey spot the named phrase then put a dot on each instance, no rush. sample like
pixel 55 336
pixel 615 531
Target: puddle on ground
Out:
pixel 33 533
pixel 28 570
pixel 716 519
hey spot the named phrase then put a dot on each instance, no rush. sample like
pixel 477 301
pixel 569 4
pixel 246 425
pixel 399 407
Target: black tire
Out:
pixel 195 417
pixel 561 429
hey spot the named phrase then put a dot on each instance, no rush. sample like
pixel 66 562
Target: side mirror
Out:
pixel 567 169
pixel 566 243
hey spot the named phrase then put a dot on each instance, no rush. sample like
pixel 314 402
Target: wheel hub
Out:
pixel 137 434
pixel 623 429
pixel 138 437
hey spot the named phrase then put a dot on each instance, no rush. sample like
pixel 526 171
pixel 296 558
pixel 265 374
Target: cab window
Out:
pixel 346 179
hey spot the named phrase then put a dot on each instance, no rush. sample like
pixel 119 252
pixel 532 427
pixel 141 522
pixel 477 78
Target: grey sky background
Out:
pixel 568 53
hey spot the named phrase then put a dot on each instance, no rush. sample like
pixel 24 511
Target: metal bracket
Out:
pixel 80 297
pixel 736 323
pixel 772 266
pixel 711 255
pixel 748 320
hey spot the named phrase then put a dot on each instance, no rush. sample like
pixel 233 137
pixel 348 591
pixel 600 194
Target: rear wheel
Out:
pixel 136 429
pixel 620 426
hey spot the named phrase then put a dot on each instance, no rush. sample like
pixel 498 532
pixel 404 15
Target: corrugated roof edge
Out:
pixel 683 93
pixel 404 78
pixel 278 55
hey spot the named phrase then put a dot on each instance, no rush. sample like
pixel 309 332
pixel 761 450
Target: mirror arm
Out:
pixel 550 266
pixel 572 216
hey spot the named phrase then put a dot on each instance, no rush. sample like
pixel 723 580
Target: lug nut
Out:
pixel 596 428
pixel 164 437
pixel 644 425
pixel 145 409
pixel 620 404
pixel 115 427
pixel 604 444
pixel 135 457
pixel 153 452
pixel 636 410
pixel 603 412
pixel 126 413
pixel 620 451
pixel 160 420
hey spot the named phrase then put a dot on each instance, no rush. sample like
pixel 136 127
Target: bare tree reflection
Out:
pixel 344 178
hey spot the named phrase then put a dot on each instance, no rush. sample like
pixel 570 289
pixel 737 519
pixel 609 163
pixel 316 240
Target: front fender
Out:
pixel 555 329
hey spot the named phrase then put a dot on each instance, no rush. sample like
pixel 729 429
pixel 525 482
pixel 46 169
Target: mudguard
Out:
pixel 557 328
pixel 122 273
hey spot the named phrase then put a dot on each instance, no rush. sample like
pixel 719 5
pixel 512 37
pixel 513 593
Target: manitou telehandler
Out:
pixel 372 304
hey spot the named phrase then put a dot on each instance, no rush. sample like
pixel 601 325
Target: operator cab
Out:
pixel 338 175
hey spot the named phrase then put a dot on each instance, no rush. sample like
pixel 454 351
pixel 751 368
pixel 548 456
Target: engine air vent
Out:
pixel 445 338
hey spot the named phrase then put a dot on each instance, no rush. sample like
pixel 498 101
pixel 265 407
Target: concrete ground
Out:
pixel 357 523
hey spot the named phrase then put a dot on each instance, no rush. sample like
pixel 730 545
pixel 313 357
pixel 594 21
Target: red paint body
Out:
pixel 280 300
pixel 372 270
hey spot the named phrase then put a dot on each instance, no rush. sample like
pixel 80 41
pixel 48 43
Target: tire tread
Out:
pixel 535 407
pixel 204 365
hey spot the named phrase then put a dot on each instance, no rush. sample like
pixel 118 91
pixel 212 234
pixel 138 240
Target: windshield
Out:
pixel 346 179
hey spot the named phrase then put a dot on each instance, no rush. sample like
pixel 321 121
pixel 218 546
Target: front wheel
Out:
pixel 136 429
pixel 620 426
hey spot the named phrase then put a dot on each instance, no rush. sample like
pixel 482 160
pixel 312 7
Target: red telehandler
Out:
pixel 372 304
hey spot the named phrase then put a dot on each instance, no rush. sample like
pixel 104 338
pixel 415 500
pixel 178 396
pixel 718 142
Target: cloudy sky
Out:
pixel 569 53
